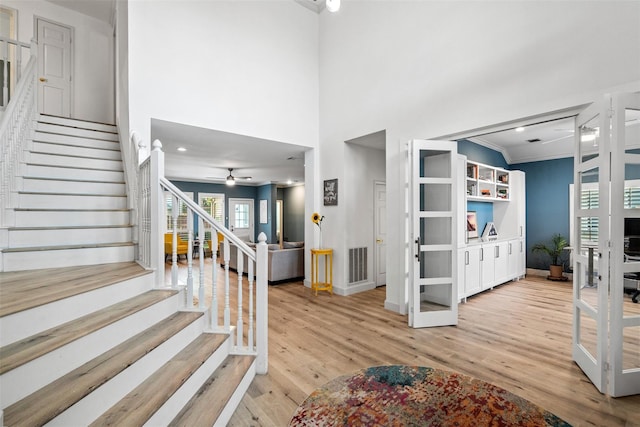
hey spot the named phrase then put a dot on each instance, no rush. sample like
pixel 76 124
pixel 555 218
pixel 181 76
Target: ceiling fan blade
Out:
pixel 556 139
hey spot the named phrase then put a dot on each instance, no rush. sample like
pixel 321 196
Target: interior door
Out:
pixel 380 221
pixel 433 296
pixel 624 315
pixel 241 218
pixel 591 251
pixel 54 67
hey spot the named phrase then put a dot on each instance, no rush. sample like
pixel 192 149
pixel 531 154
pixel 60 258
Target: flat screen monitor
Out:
pixel 632 227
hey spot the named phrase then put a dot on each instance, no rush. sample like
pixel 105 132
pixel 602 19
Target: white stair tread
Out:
pixel 64 247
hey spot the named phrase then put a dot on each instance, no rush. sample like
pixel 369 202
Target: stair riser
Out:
pixel 98 402
pixel 64 121
pixel 74 187
pixel 38 171
pixel 70 236
pixel 175 403
pixel 34 201
pixel 23 324
pixel 19 261
pixel 75 141
pixel 53 160
pixel 65 218
pixel 34 375
pixel 66 150
pixel 85 133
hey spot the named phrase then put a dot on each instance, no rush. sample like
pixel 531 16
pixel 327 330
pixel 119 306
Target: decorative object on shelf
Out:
pixel 555 251
pixel 490 232
pixel 316 218
pixel 331 192
pixel 472 225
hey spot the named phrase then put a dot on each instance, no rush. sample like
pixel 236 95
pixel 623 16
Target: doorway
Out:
pixel 241 218
pixel 380 232
pixel 55 71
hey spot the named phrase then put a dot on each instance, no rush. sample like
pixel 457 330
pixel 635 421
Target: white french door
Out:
pixel 606 325
pixel 433 296
pixel 241 218
pixel 54 68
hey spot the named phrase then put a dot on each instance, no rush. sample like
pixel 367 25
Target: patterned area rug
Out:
pixel 416 396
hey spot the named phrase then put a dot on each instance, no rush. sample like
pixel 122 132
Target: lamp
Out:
pixel 230 179
pixel 333 5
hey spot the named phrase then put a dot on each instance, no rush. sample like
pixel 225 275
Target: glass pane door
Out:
pixel 433 295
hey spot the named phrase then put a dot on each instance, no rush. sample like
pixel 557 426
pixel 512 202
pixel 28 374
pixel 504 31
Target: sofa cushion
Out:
pixel 273 247
pixel 291 245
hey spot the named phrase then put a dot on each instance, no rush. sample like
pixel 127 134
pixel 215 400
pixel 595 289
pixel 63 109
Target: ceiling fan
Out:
pixel 230 179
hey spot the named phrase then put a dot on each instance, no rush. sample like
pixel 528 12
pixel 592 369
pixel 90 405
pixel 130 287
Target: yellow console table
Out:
pixel 316 284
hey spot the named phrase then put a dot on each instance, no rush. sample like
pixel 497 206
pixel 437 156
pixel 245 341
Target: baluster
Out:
pixel 214 280
pixel 227 308
pixel 250 328
pixel 239 327
pixel 189 257
pixel 174 250
pixel 201 255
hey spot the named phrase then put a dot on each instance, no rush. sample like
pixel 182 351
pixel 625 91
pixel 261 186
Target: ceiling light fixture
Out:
pixel 520 129
pixel 182 149
pixel 231 181
pixel 333 5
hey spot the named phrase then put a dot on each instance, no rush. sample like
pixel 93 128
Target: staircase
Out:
pixel 86 336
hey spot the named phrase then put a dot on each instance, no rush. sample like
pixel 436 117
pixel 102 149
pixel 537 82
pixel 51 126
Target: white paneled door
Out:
pixel 54 68
pixel 433 288
pixel 241 218
pixel 380 220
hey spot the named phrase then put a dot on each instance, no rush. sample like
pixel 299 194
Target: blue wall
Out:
pixel 268 193
pixel 547 186
pixel 480 154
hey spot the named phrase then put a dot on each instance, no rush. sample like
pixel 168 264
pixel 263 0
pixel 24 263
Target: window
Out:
pixel 182 213
pixel 242 215
pixel 213 204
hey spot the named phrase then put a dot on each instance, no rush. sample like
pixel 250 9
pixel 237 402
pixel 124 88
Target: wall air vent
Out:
pixel 533 140
pixel 357 264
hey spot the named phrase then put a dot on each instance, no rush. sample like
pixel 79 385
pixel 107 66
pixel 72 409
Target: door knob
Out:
pixel 378 240
pixel 43 80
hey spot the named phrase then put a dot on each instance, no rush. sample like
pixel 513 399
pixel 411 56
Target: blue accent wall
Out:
pixel 481 154
pixel 268 193
pixel 547 187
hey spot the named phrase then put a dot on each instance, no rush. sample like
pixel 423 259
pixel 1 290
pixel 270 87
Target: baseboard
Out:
pixel 354 289
pixel 545 273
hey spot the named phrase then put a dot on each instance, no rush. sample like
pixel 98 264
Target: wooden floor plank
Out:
pixel 137 407
pixel 22 290
pixel 205 407
pixel 47 403
pixel 30 348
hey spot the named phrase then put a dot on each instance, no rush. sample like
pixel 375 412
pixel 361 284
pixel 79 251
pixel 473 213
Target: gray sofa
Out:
pixel 284 264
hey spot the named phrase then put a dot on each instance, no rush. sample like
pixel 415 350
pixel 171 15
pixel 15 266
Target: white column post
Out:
pixel 262 305
pixel 157 212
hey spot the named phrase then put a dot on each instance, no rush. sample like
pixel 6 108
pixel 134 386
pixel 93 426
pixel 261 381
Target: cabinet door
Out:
pixel 472 270
pixel 513 258
pixel 501 268
pixel 487 266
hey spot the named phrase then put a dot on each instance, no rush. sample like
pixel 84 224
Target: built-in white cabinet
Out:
pixel 485 182
pixel 483 265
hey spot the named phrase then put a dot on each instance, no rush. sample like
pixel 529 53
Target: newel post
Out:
pixel 262 305
pixel 157 212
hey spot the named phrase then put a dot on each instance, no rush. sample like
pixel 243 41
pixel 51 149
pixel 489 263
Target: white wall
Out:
pixel 93 97
pixel 424 69
pixel 246 67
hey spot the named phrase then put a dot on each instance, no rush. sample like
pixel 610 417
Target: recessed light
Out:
pixel 289 182
pixel 520 129
pixel 182 149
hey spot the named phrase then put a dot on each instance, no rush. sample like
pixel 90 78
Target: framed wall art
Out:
pixel 331 192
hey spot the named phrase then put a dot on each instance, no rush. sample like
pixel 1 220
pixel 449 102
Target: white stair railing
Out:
pixel 15 129
pixel 250 336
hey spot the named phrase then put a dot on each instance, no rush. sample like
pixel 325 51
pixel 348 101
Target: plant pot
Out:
pixel 555 271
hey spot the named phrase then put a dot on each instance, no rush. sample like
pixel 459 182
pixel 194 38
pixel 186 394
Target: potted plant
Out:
pixel 558 243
